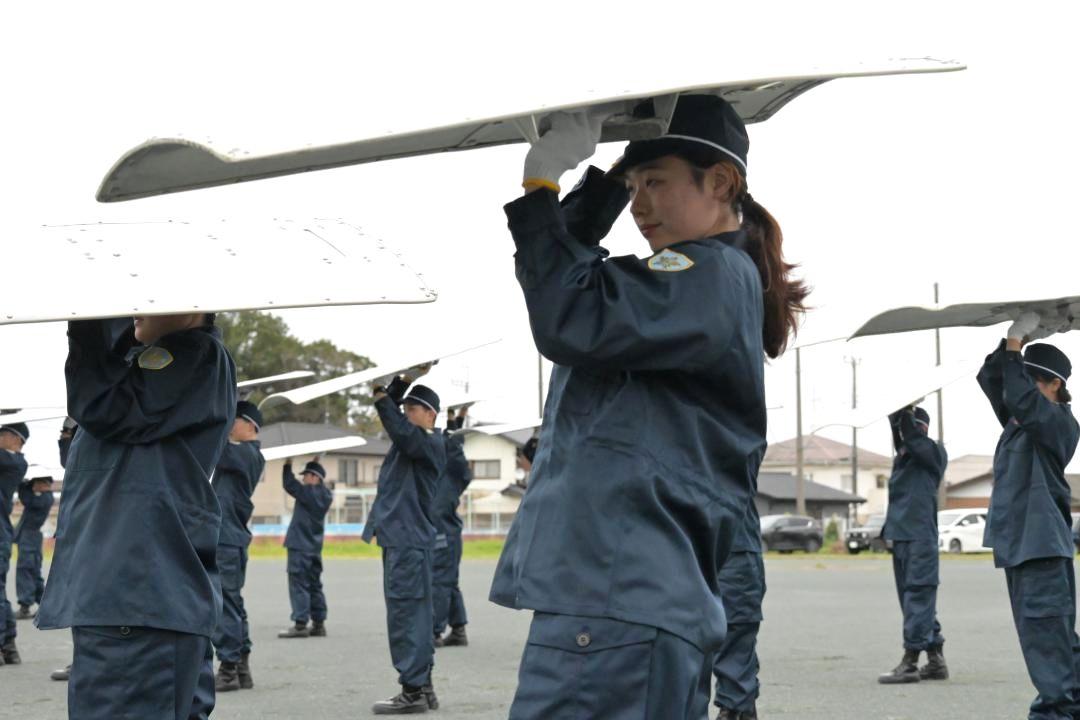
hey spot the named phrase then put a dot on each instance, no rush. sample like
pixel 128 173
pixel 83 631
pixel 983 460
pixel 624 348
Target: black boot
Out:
pixel 227 679
pixel 409 701
pixel 299 630
pixel 243 671
pixel 429 695
pixel 906 672
pixel 456 638
pixel 10 653
pixel 935 667
pixel 23 613
pixel 61 675
pixel 318 628
pixel 727 714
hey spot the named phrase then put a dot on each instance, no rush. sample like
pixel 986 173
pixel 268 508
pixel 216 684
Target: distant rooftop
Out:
pixel 781 486
pixel 818 450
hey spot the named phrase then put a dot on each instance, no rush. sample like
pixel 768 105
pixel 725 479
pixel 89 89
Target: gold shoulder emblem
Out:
pixel 155 358
pixel 670 261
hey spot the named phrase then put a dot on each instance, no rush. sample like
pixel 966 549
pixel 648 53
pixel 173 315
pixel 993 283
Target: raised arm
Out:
pixel 185 380
pixel 408 438
pixel 992 384
pixel 1050 425
pixel 921 448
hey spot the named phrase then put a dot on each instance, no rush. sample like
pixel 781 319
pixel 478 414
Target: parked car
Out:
pixel 961 530
pixel 787 533
pixel 866 536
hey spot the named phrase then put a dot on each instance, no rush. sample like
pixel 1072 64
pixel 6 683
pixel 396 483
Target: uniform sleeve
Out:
pixel 289 482
pixel 26 493
pixel 990 380
pixel 921 448
pixel 1050 425
pixel 410 439
pixel 894 426
pixel 588 312
pixel 457 466
pixel 232 458
pixel 593 206
pixel 116 400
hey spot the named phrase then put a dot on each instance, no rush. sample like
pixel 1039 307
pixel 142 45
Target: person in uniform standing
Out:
pixel 402 522
pixel 67 434
pixel 37 500
pixel 238 473
pixel 654 427
pixel 449 604
pixel 1028 524
pixel 12 471
pixel 911 527
pixel 742 588
pixel 134 570
pixel 304 544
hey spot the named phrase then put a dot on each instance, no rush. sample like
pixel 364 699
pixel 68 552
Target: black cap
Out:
pixel 922 416
pixel 19 429
pixel 704 126
pixel 45 479
pixel 423 395
pixel 249 411
pixel 1048 360
pixel 315 468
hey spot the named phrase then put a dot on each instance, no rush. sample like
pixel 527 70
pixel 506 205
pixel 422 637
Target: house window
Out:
pixel 348 472
pixel 485 469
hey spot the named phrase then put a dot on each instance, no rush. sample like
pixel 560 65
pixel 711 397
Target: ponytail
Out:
pixel 785 297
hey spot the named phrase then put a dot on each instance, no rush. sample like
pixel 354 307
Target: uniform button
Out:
pixel 125 631
pixel 583 640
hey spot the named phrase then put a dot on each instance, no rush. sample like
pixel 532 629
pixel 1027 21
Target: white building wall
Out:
pixel 479 448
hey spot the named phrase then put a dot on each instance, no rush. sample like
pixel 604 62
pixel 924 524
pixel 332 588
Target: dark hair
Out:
pixel 1063 395
pixel 785 297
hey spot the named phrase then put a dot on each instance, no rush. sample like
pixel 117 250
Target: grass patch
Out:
pixel 486 549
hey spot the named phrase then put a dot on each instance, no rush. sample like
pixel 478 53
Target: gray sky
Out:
pixel 882 186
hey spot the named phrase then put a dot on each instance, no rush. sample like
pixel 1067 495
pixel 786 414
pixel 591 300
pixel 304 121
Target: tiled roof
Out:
pixel 818 450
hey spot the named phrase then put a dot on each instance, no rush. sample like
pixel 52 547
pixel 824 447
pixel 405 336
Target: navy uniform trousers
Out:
pixel 915 568
pixel 305 586
pixel 448 603
pixel 7 613
pixel 407 590
pixel 1043 597
pixel 137 673
pixel 231 637
pixel 587 668
pixel 742 586
pixel 29 583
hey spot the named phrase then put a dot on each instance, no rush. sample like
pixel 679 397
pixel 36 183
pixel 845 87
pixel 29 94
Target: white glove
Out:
pixel 416 371
pixel 1023 326
pixel 571 139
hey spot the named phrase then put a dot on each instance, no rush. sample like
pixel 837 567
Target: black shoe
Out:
pixel 299 630
pixel 437 641
pixel 429 695
pixel 906 672
pixel 10 653
pixel 935 667
pixel 226 679
pixel 243 671
pixel 727 714
pixel 408 702
pixel 61 675
pixel 24 613
pixel 318 629
pixel 456 638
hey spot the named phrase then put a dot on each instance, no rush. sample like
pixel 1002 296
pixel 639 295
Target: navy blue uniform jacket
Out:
pixel 309 513
pixel 136 538
pixel 235 478
pixel 12 471
pixel 654 427
pixel 455 478
pixel 35 512
pixel 403 513
pixel 1029 506
pixel 917 471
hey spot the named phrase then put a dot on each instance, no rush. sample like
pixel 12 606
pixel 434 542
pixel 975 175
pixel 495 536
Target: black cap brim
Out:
pixel 643 151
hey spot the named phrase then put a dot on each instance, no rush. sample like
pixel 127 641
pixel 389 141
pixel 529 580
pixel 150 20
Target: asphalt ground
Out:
pixel 831 625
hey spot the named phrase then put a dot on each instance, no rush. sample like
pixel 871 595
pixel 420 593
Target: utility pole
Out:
pixel 943 491
pixel 854 432
pixel 800 483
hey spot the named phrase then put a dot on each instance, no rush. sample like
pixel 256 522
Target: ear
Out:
pixel 725 182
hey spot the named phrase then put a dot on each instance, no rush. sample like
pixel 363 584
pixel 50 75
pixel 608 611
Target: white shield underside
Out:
pixel 74 272
pixel 167 165
pixel 907 319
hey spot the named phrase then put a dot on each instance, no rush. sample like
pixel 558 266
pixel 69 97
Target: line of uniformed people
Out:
pixel 12 472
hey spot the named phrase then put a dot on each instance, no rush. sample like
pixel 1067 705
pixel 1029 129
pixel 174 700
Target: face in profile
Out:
pixel 151 328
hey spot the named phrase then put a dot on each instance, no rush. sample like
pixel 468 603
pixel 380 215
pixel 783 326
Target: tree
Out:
pixel 261 345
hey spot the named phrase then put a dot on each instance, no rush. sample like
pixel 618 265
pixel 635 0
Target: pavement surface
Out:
pixel 832 624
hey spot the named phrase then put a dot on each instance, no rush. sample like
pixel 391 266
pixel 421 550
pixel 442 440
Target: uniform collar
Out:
pixel 736 239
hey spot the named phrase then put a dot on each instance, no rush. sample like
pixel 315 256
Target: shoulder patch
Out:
pixel 155 358
pixel 670 261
